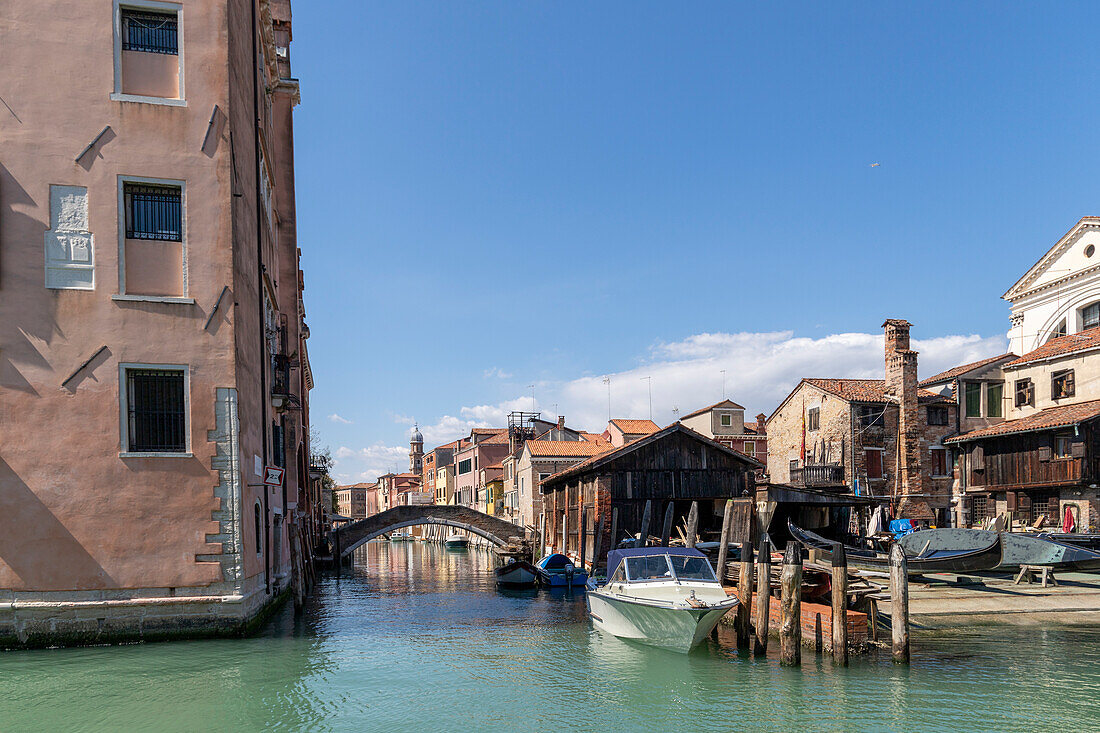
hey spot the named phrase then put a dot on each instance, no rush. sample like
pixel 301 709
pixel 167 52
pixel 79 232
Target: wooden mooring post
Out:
pixel 840 605
pixel 723 542
pixel 542 538
pixel 763 596
pixel 790 622
pixel 693 524
pixel 744 597
pixel 643 541
pixel 582 531
pixel 614 528
pixel 899 604
pixel 598 544
pixel 666 527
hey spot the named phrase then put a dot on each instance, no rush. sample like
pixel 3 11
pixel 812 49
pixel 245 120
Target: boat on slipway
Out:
pixel 663 596
pixel 516 573
pixel 921 557
pixel 456 542
pixel 1017 548
pixel 558 571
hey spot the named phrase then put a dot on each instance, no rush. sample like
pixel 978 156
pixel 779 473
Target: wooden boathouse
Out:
pixel 675 466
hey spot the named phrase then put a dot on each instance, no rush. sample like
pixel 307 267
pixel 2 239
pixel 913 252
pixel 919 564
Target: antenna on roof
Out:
pixel 723 384
pixel 675 414
pixel 607 381
pixel 532 395
pixel 650 380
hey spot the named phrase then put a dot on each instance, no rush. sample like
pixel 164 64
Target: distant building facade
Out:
pixel 724 422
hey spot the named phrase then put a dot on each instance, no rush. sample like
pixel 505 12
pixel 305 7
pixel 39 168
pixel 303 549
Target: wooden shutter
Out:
pixel 1070 391
pixel 1077 449
pixel 1044 453
pixel 977 458
pixel 1010 497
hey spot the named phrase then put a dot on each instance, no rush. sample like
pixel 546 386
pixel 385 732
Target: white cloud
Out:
pixel 498 373
pixel 760 370
pixel 337 418
pixel 367 464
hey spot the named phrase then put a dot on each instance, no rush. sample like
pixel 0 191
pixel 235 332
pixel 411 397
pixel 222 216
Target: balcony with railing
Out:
pixel 818 475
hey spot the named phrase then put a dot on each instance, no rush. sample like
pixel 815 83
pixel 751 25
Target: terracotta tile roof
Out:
pixel 676 426
pixel 1052 417
pixel 866 390
pixel 1061 346
pixel 566 448
pixel 634 427
pixel 497 439
pixel 962 369
pixel 592 437
pixel 488 431
pixel 356 486
pixel 732 405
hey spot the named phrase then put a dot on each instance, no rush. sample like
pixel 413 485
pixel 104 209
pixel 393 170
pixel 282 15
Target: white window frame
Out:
pixel 155 6
pixel 725 420
pixel 881 463
pixel 122 294
pixel 124 411
pixel 748 445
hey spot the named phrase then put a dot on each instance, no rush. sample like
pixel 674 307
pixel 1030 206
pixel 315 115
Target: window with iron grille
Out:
pixel 156 411
pixel 149 32
pixel 153 212
pixel 871 415
pixel 981 508
pixel 1045 505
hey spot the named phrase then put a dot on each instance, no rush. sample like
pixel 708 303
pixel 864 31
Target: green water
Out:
pixel 419 639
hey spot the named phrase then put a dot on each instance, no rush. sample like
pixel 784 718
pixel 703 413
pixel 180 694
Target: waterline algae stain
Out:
pixel 414 637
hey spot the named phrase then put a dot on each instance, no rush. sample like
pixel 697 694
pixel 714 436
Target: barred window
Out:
pixel 153 212
pixel 937 415
pixel 150 32
pixel 156 408
pixel 981 508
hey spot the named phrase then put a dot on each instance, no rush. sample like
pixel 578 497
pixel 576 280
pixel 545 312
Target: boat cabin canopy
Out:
pixel 659 563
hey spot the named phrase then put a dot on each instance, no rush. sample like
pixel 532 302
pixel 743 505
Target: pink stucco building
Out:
pixel 152 335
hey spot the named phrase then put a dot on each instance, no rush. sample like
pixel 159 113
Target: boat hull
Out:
pixel 456 543
pixel 1016 548
pixel 578 578
pixel 677 629
pixel 517 574
pixel 922 557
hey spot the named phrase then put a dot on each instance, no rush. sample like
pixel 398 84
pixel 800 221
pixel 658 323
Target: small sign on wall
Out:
pixel 273 475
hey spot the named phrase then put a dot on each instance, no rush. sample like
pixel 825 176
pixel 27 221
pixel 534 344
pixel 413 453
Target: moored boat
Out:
pixel 921 556
pixel 517 574
pixel 457 542
pixel 1016 548
pixel 558 571
pixel 400 537
pixel 664 596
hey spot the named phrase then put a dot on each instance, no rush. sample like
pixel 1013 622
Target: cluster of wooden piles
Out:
pixel 782 581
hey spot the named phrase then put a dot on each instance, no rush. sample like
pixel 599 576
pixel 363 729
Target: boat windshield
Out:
pixel 692 568
pixel 648 567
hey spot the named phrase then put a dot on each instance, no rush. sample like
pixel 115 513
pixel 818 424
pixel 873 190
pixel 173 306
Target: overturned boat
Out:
pixel 1016 548
pixel 982 553
pixel 664 596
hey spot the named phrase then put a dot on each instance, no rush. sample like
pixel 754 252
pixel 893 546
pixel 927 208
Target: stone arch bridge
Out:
pixel 498 531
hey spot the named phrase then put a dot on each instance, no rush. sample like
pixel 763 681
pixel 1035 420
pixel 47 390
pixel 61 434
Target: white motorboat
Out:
pixel 400 537
pixel 664 596
pixel 457 542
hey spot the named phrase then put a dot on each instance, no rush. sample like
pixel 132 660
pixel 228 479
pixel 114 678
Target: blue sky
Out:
pixel 498 194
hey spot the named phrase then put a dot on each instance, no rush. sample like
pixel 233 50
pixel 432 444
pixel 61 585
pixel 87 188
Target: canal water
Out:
pixel 418 638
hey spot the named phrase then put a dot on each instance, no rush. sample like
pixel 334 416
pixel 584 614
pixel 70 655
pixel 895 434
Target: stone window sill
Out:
pixel 142 454
pixel 152 299
pixel 163 101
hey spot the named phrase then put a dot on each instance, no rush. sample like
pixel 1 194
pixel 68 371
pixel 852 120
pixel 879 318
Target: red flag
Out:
pixel 803 454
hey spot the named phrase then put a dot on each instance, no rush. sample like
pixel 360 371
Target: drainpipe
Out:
pixel 260 287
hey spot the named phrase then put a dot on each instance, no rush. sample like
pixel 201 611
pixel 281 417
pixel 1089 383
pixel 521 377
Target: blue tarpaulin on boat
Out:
pixel 901 527
pixel 616 556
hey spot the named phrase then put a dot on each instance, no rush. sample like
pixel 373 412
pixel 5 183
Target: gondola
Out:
pixel 925 560
pixel 1017 548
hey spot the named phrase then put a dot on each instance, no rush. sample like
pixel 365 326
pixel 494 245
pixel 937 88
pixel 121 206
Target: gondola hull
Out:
pixel 946 560
pixel 1016 548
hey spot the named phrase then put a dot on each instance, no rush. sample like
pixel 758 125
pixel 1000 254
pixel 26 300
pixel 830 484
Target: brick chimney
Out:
pixel 761 424
pixel 561 422
pixel 901 384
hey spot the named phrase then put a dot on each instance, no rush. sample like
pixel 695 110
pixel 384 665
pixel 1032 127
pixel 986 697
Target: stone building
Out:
pixel 538 460
pixel 882 438
pixel 355 501
pixel 153 355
